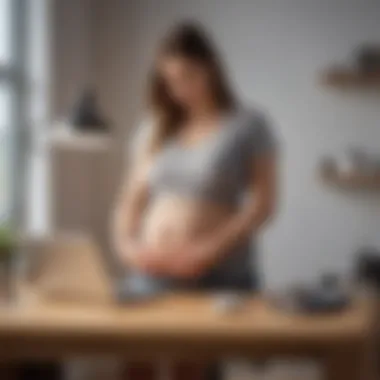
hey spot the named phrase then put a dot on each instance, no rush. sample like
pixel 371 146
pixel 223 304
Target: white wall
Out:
pixel 60 64
pixel 75 65
pixel 71 44
pixel 275 50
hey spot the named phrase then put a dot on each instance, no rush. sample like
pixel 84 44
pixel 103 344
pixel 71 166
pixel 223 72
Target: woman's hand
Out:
pixel 144 259
pixel 190 261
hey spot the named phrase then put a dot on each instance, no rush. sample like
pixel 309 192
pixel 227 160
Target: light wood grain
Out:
pixel 185 326
pixel 185 315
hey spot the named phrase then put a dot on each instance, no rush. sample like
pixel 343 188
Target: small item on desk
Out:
pixel 132 290
pixel 328 296
pixel 367 59
pixel 228 303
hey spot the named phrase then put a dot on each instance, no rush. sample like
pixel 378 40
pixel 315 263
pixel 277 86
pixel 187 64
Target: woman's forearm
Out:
pixel 125 232
pixel 124 244
pixel 127 218
pixel 259 207
pixel 238 229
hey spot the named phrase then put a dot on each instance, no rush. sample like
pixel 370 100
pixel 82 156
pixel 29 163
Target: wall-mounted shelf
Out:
pixel 353 181
pixel 67 138
pixel 342 78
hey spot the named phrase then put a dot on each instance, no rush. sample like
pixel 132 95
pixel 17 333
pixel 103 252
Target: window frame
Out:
pixel 13 74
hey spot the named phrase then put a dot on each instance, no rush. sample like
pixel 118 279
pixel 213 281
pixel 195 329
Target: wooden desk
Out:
pixel 186 325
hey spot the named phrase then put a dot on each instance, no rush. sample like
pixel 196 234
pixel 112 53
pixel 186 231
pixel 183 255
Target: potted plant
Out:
pixel 8 247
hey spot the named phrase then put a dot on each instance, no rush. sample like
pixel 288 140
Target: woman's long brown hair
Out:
pixel 189 41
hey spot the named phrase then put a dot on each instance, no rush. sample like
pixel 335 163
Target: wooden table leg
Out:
pixel 350 364
pixel 8 371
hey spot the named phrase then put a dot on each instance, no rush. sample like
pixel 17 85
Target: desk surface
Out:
pixel 186 327
pixel 184 316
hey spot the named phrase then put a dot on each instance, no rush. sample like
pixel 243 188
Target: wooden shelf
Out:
pixel 65 137
pixel 345 78
pixel 353 181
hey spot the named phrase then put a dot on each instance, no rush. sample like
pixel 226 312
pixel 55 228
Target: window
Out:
pixel 5 107
pixel 38 74
pixel 12 102
pixel 24 65
pixel 5 151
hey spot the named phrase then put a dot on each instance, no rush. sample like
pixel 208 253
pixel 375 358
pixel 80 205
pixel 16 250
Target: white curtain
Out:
pixel 38 73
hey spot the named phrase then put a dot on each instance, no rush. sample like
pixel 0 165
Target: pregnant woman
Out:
pixel 201 181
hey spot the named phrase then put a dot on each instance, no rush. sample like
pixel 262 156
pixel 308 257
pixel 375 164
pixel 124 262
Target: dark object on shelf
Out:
pixel 86 115
pixel 329 282
pixel 367 267
pixel 363 161
pixel 368 59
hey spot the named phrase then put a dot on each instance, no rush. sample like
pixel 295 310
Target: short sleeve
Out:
pixel 261 137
